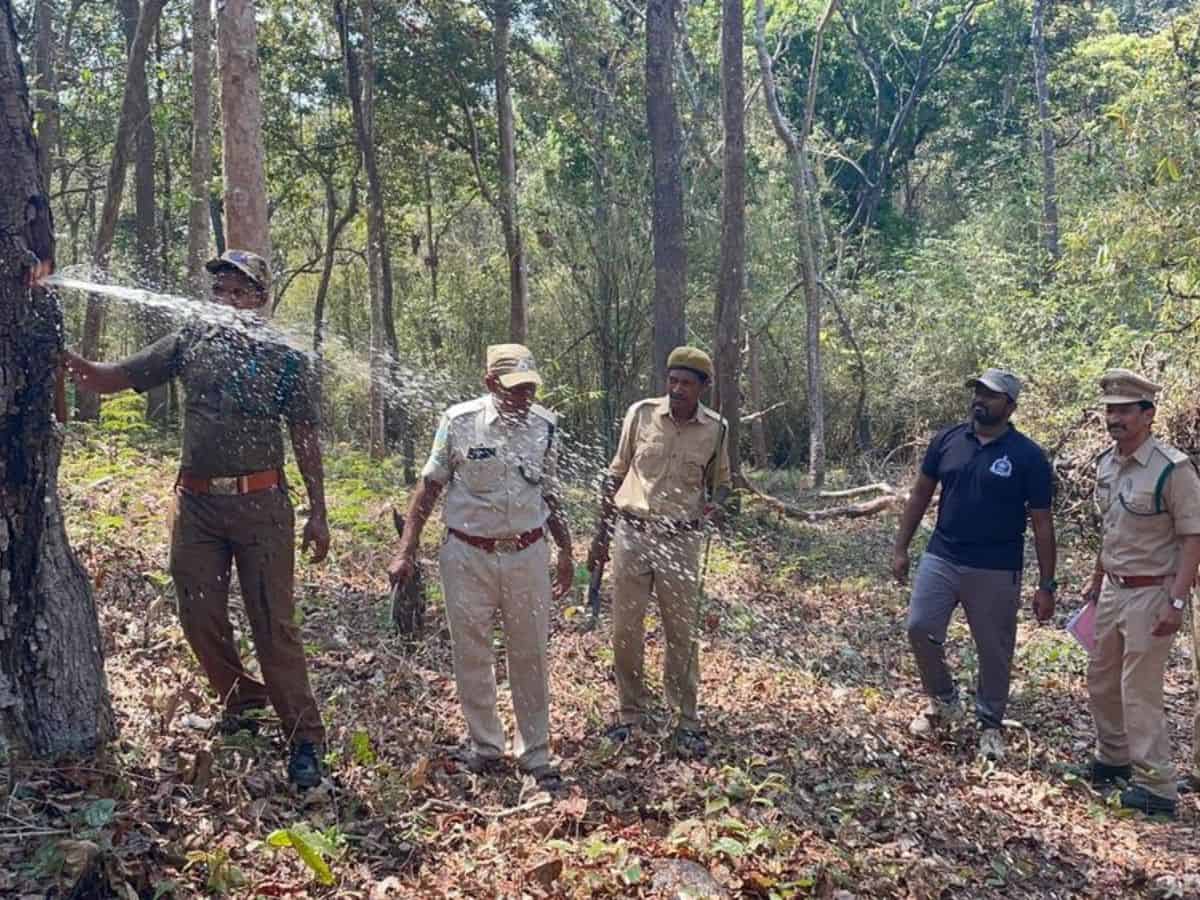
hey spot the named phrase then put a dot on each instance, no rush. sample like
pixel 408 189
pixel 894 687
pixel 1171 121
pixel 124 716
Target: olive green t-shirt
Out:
pixel 238 383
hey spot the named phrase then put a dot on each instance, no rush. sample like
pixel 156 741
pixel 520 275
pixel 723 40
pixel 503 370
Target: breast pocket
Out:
pixel 651 457
pixel 1139 502
pixel 481 470
pixel 694 466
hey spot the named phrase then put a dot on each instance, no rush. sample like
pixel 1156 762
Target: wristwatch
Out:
pixel 1048 584
pixel 1179 603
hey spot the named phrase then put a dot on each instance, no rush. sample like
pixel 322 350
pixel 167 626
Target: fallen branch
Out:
pixel 762 412
pixel 851 511
pixel 491 814
pixel 857 491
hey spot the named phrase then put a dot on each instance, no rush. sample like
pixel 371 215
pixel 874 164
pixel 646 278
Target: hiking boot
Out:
pixel 1102 775
pixel 937 714
pixel 476 763
pixel 689 744
pixel 304 765
pixel 991 744
pixel 1137 797
pixel 1190 783
pixel 548 778
pixel 247 720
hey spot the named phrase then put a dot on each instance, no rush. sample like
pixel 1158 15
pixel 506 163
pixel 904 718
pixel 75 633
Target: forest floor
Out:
pixel 813 786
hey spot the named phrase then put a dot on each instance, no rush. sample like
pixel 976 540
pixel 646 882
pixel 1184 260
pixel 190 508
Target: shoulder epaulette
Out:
pixel 1171 453
pixel 467 406
pixel 547 414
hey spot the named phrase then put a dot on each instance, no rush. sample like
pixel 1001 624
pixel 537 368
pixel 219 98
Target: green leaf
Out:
pixel 632 873
pixel 716 804
pixel 364 753
pixel 731 847
pixel 302 840
pixel 100 813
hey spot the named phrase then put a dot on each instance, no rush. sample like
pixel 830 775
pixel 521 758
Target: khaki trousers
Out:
pixel 257 532
pixel 1195 617
pixel 1125 685
pixel 665 564
pixel 476 584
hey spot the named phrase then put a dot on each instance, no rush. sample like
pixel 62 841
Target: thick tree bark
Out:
pixel 666 148
pixel 518 284
pixel 728 338
pixel 201 168
pixel 806 245
pixel 87 404
pixel 45 60
pixel 53 696
pixel 1049 179
pixel 246 221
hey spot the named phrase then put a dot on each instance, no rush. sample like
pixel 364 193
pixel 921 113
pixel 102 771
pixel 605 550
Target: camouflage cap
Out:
pixel 1126 386
pixel 249 264
pixel 693 359
pixel 1001 381
pixel 513 364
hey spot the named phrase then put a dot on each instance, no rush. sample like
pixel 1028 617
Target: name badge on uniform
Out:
pixel 1002 467
pixel 481 452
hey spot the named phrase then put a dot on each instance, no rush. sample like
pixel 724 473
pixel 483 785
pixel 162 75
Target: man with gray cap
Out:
pixel 231 504
pixel 991 476
pixel 1148 497
pixel 497 458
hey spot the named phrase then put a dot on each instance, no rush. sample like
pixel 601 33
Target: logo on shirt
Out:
pixel 1002 467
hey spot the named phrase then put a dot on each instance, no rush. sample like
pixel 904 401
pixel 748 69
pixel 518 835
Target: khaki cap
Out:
pixel 249 264
pixel 1001 381
pixel 1126 386
pixel 513 364
pixel 693 359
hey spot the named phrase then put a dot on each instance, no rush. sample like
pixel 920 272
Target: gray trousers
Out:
pixel 990 598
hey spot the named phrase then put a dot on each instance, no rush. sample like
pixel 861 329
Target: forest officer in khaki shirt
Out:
pixel 670 475
pixel 231 506
pixel 1148 494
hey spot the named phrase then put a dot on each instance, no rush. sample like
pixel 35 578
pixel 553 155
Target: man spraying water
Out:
pixel 232 504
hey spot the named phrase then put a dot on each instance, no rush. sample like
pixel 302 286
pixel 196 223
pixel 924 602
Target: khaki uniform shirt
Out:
pixel 238 383
pixel 1141 537
pixel 498 469
pixel 664 467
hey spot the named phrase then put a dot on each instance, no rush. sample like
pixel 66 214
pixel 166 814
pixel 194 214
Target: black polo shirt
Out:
pixel 986 490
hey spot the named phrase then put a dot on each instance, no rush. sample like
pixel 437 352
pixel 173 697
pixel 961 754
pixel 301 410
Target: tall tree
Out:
pixel 1049 179
pixel 45 52
pixel 518 282
pixel 53 696
pixel 201 166
pixel 246 216
pixel 728 318
pixel 666 148
pixel 87 404
pixel 806 251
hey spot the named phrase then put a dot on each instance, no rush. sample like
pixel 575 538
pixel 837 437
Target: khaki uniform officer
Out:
pixel 497 457
pixel 670 463
pixel 1148 494
pixel 232 504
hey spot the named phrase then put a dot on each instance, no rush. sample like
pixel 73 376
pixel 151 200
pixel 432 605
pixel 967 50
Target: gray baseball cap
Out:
pixel 1000 380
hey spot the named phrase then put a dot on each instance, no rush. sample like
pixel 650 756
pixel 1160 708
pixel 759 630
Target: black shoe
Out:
pixel 1137 797
pixel 689 744
pixel 304 766
pixel 247 720
pixel 1102 775
pixel 475 763
pixel 1189 784
pixel 548 778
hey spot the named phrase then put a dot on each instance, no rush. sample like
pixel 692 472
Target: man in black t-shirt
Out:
pixel 991 475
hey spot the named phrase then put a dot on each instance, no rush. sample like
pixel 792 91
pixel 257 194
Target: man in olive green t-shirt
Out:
pixel 232 505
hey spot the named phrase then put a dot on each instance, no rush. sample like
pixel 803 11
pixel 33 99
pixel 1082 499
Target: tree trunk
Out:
pixel 806 252
pixel 432 262
pixel 45 56
pixel 1049 179
pixel 53 695
pixel 200 196
pixel 158 399
pixel 334 224
pixel 518 286
pixel 246 224
pixel 728 337
pixel 87 404
pixel 666 148
pixel 758 428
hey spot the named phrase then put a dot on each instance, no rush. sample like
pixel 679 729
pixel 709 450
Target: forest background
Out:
pixel 854 205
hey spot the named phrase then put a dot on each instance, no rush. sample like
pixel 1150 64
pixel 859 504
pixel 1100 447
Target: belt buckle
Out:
pixel 224 485
pixel 506 545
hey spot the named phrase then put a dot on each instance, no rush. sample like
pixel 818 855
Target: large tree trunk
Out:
pixel 198 205
pixel 246 224
pixel 728 337
pixel 53 696
pixel 158 399
pixel 87 404
pixel 806 249
pixel 518 286
pixel 46 101
pixel 1049 179
pixel 666 148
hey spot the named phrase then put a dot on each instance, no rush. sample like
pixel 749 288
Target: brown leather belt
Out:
pixel 501 545
pixel 1137 581
pixel 232 484
pixel 640 524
